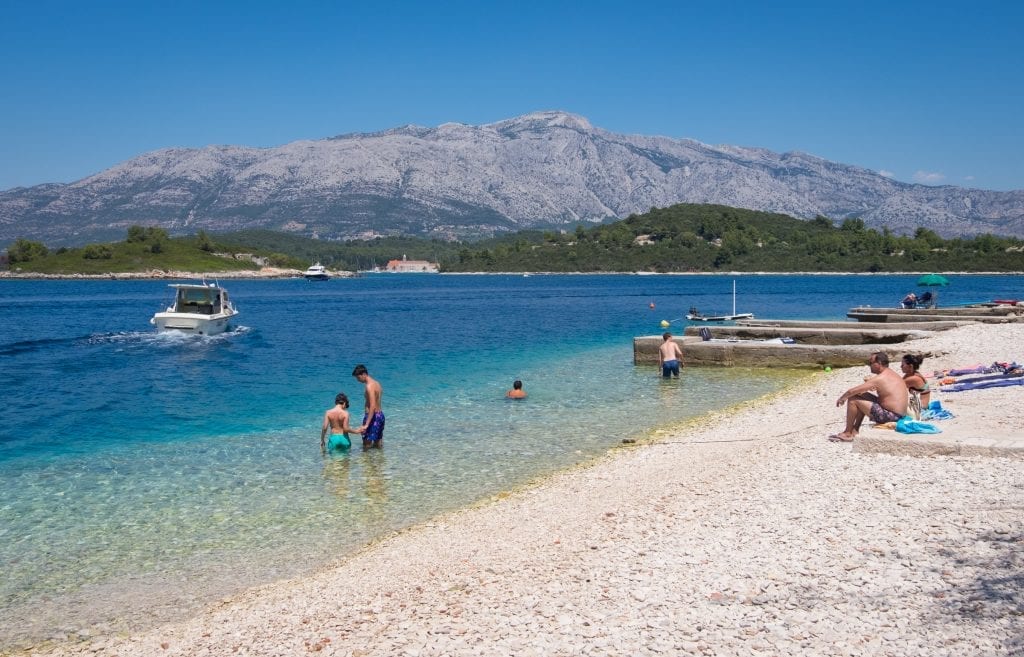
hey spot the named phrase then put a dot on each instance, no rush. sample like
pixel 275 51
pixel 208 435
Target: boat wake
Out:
pixel 154 338
pixel 169 338
pixel 29 346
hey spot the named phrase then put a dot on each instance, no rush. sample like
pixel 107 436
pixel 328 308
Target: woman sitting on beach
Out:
pixel 916 384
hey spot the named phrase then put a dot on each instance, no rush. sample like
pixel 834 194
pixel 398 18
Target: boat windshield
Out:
pixel 194 295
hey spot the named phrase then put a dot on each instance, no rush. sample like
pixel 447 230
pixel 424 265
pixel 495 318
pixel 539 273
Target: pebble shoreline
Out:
pixel 744 533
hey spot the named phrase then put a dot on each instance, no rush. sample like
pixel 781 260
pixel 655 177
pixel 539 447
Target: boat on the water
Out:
pixel 316 272
pixel 696 316
pixel 200 308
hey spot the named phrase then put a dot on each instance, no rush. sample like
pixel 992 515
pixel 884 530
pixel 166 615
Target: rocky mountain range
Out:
pixel 545 169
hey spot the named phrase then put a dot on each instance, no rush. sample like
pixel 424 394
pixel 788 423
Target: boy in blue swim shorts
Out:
pixel 373 415
pixel 669 355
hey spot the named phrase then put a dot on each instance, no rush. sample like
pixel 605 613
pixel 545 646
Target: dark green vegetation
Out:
pixel 144 249
pixel 713 238
pixel 680 238
pixel 151 248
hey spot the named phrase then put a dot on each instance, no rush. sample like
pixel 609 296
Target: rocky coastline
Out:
pixel 158 274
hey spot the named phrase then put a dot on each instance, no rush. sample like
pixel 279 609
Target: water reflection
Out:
pixel 359 478
pixel 337 472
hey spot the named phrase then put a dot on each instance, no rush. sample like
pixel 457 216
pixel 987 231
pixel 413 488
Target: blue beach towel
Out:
pixel 981 369
pixel 1001 383
pixel 1010 374
pixel 907 424
pixel 936 412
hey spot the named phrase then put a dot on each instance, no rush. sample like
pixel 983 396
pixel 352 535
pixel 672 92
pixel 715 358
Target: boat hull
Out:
pixel 195 323
pixel 317 277
pixel 719 318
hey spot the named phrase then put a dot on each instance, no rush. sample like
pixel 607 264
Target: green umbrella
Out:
pixel 932 279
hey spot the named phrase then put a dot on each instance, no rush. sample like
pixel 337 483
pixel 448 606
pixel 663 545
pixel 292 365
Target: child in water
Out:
pixel 517 391
pixel 336 419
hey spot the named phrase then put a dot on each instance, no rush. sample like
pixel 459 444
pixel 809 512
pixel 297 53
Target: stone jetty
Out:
pixel 819 344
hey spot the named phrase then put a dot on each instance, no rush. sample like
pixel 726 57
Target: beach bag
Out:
pixel 915 405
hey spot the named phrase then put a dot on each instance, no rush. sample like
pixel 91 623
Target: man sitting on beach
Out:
pixel 888 405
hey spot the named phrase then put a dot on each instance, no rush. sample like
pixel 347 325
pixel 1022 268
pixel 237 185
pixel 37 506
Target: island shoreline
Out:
pixel 274 273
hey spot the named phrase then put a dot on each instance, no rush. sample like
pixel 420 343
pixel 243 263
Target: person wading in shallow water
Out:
pixel 888 405
pixel 669 355
pixel 336 419
pixel 373 416
pixel 517 391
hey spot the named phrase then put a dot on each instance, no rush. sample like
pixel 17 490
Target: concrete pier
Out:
pixel 983 314
pixel 817 344
pixel 940 325
pixel 696 352
pixel 846 335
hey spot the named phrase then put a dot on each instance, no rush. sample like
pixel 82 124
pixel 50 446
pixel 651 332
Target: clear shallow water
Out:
pixel 144 474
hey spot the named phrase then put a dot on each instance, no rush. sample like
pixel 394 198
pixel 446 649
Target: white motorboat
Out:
pixel 317 272
pixel 201 308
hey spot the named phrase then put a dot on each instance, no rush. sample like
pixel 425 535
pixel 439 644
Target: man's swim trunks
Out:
pixel 670 368
pixel 882 415
pixel 339 441
pixel 375 432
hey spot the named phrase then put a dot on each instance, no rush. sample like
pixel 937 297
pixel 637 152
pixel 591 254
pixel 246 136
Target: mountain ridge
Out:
pixel 542 169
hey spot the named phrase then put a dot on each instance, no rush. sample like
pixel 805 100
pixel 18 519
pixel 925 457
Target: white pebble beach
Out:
pixel 742 533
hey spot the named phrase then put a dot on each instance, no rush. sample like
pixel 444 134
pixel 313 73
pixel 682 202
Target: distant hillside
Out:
pixel 148 249
pixel 541 170
pixel 681 238
pixel 709 238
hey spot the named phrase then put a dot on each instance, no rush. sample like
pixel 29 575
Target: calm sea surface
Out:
pixel 143 475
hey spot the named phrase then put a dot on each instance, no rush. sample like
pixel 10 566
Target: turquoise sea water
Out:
pixel 143 475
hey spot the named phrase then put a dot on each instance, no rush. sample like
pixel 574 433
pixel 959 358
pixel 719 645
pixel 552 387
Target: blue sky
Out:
pixel 929 92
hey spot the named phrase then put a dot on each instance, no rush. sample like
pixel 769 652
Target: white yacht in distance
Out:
pixel 203 309
pixel 317 272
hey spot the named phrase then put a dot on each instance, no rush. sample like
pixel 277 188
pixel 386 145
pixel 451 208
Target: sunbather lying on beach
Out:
pixel 888 405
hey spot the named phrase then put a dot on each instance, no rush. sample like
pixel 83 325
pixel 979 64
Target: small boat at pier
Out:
pixel 201 308
pixel 696 316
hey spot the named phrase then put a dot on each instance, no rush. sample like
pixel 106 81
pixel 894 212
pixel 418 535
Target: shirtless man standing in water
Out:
pixel 889 405
pixel 373 416
pixel 669 355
